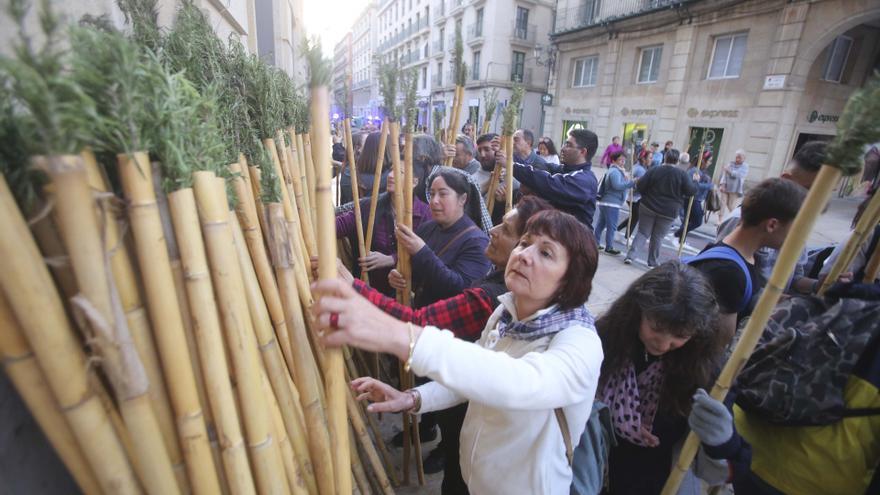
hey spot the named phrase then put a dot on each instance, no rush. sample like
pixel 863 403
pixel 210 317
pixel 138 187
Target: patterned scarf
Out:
pixel 633 400
pixel 551 321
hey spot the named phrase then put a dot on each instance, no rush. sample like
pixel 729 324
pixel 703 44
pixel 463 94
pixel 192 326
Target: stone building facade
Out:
pixel 762 76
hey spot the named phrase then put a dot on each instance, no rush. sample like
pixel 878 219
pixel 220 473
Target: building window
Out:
pixel 475 70
pixel 585 70
pixel 442 38
pixel 517 69
pixel 424 77
pixel 727 56
pixel 439 73
pixel 838 53
pixel 478 27
pixel 649 64
pixel 522 23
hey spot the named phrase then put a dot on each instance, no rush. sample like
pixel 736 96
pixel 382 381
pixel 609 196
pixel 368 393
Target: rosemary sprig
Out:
pixel 858 125
pixel 388 79
pixel 511 111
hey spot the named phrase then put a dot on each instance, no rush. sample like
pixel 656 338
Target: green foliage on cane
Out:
pixel 388 80
pixel 320 68
pixel 409 84
pixel 24 181
pixel 289 99
pixel 193 47
pixel 458 64
pixel 270 188
pixel 491 99
pixel 54 112
pixel 859 124
pixel 301 115
pixel 120 78
pixel 187 134
pixel 511 111
pixel 438 115
pixel 260 91
pixel 143 17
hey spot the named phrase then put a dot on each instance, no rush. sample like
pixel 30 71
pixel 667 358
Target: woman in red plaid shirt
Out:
pixel 539 352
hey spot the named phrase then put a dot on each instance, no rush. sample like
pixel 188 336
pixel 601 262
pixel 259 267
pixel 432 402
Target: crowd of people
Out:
pixel 517 372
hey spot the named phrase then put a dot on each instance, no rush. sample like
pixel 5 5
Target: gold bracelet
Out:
pixel 412 346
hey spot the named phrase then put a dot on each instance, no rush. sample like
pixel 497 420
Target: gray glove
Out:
pixel 710 420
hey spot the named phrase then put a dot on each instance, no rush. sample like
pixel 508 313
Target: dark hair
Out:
pixel 529 136
pixel 586 139
pixel 467 124
pixel 456 181
pixel 616 155
pixel 467 143
pixel 366 162
pixel 526 207
pixel 486 137
pixel 772 198
pixel 679 300
pixel 671 156
pixel 668 142
pixel 551 148
pixel 811 155
pixel 583 254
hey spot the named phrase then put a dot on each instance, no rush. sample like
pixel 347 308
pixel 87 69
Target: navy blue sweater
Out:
pixel 573 190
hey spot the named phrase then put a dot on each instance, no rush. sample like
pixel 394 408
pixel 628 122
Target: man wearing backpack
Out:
pixel 768 211
pixel 807 413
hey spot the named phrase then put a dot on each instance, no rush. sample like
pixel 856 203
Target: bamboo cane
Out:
pixel 791 249
pixel 165 313
pixel 240 340
pixel 868 220
pixel 29 380
pixel 336 387
pixel 301 229
pixel 872 267
pixel 357 468
pixel 311 178
pixel 305 368
pixel 247 216
pixel 374 197
pixel 138 323
pixel 297 165
pixel 629 220
pixel 286 397
pixel 496 177
pixel 254 173
pixel 357 422
pixel 105 324
pixel 308 190
pixel 687 217
pixel 295 475
pixel 355 192
pixel 508 177
pixel 209 339
pixel 31 295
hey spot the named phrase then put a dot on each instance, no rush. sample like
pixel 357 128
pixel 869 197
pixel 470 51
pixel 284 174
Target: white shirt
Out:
pixel 510 440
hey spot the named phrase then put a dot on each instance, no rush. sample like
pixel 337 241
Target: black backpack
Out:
pixel 797 373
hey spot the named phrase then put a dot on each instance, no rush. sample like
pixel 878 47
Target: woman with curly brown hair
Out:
pixel 661 343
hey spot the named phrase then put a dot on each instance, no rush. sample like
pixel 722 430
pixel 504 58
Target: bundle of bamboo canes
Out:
pixel 197 313
pixel 460 74
pixel 508 127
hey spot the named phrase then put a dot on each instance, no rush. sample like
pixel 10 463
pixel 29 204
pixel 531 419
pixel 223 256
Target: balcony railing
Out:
pixel 438 47
pixel 453 6
pixel 523 34
pixel 475 32
pixel 593 12
pixel 436 81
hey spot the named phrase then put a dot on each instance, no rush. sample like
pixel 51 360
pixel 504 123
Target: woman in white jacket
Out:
pixel 538 352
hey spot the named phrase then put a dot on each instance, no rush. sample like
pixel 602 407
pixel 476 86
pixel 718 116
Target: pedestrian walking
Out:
pixel 611 195
pixel 732 183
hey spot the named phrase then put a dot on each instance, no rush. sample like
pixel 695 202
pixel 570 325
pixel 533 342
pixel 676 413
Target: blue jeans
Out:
pixel 607 221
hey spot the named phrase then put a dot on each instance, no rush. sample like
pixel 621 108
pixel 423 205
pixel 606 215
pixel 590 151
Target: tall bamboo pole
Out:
pixel 496 177
pixel 866 223
pixel 165 313
pixel 357 422
pixel 305 371
pixel 240 338
pixel 374 197
pixel 872 267
pixel 294 472
pixel 335 384
pixel 311 178
pixel 102 318
pixel 508 173
pixel 209 339
pixel 296 171
pixel 307 186
pixel 29 380
pixel 355 192
pixel 286 396
pixel 32 296
pixel 138 323
pixel 803 224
